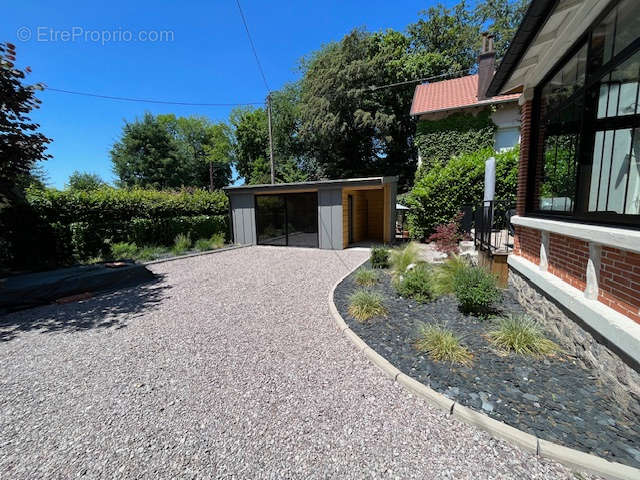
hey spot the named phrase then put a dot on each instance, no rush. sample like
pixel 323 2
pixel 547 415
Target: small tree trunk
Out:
pixel 211 176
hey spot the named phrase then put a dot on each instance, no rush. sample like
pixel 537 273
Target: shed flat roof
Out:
pixel 343 182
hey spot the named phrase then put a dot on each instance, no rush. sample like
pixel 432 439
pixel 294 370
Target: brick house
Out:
pixel 437 100
pixel 576 64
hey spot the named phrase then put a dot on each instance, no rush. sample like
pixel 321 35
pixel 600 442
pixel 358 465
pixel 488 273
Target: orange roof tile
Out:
pixel 450 95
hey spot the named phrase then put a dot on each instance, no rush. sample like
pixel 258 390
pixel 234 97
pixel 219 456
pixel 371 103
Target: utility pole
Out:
pixel 273 177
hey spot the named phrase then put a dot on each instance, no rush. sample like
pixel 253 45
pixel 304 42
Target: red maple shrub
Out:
pixel 447 236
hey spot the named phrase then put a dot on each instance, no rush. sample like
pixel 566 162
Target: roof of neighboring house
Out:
pixel 452 95
pixel 533 20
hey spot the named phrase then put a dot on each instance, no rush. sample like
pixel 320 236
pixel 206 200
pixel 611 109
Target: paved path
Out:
pixel 229 367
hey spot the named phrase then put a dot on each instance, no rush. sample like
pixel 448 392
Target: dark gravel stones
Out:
pixel 551 397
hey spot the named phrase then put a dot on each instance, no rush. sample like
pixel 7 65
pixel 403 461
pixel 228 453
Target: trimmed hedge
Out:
pixel 440 193
pixel 87 223
pixel 439 140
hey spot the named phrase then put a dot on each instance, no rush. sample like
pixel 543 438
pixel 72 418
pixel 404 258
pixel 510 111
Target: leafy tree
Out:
pixel 251 138
pixel 21 145
pixel 84 181
pixel 503 18
pixel 23 239
pixel 166 151
pixel 351 127
pixel 450 35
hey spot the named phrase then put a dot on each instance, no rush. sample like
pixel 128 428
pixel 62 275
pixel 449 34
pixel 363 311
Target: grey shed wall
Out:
pixel 330 218
pixel 243 216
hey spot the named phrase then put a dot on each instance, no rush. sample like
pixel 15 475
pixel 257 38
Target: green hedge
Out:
pixel 145 231
pixel 87 223
pixel 439 140
pixel 117 205
pixel 442 191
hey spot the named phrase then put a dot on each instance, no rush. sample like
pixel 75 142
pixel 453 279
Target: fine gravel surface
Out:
pixel 229 366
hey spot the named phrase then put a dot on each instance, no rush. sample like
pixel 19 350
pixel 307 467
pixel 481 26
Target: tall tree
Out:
pixel 21 145
pixel 166 151
pixel 84 181
pixel 502 18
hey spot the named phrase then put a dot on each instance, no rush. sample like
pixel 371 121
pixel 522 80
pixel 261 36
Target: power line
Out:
pixel 390 85
pixel 253 47
pixel 144 100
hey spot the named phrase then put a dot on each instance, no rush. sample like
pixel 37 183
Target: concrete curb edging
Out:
pixel 197 254
pixel 567 456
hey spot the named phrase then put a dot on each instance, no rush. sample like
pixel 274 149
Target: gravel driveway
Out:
pixel 228 367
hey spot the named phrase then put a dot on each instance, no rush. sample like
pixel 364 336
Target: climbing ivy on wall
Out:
pixel 438 140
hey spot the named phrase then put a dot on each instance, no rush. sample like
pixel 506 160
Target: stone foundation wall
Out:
pixel 579 343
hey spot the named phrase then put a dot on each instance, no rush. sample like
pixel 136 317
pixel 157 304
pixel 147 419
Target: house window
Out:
pixel 587 165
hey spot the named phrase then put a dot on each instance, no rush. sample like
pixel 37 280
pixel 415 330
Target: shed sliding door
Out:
pixel 288 219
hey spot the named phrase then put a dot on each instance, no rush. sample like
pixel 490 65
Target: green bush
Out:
pixel 364 305
pixel 379 257
pixel 147 254
pixel 163 231
pixel 444 276
pixel 442 190
pixel 182 243
pixel 202 245
pixel 401 258
pixel 366 277
pixel 442 345
pixel 87 223
pixel 476 291
pixel 124 250
pixel 522 335
pixel 217 240
pixel 417 283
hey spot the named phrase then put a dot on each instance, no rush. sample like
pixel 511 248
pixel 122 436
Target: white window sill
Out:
pixel 621 238
pixel 618 329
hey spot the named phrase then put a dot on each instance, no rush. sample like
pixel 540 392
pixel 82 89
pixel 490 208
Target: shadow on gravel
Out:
pixel 109 309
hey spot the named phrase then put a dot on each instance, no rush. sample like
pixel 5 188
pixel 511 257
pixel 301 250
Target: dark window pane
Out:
pixel 618 91
pixel 602 41
pixel 626 24
pixel 633 188
pixel 270 218
pixel 302 217
pixel 557 192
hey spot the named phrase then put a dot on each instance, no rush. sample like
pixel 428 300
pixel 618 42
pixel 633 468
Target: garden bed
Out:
pixel 551 397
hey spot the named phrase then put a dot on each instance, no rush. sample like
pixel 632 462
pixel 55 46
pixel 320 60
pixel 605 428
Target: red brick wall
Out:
pixel 527 244
pixel 568 259
pixel 523 165
pixel 620 281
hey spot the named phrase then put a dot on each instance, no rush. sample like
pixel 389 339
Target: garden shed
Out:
pixel 328 214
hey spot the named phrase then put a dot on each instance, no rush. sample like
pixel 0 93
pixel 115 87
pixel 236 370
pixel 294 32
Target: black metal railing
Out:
pixel 493 231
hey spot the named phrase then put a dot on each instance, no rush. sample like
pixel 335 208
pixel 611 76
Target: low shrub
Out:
pixel 444 276
pixel 442 345
pixel 182 243
pixel 217 240
pixel 366 277
pixel 416 283
pixel 203 244
pixel 162 231
pixel 476 291
pixel 147 254
pixel 379 257
pixel 447 236
pixel 124 250
pixel 401 258
pixel 522 335
pixel 364 305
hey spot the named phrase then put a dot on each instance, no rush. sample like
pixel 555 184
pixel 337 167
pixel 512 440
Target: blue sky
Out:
pixel 208 60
